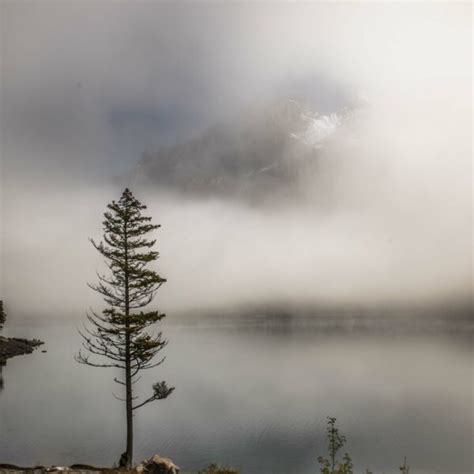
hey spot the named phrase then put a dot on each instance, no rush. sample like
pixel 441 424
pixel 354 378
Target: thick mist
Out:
pixel 386 219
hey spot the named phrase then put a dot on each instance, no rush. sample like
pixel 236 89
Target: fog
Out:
pixel 386 219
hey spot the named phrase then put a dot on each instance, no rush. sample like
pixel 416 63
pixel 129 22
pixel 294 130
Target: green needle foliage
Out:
pixel 119 334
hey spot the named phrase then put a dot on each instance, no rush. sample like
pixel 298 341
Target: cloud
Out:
pixel 88 86
pixel 70 68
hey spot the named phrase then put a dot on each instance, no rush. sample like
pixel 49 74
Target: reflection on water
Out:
pixel 252 396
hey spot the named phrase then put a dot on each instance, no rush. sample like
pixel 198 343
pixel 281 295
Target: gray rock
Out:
pixel 158 465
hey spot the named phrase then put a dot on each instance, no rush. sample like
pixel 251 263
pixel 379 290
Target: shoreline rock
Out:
pixel 157 465
pixel 154 465
pixel 14 346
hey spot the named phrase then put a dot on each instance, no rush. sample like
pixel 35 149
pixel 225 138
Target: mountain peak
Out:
pixel 262 152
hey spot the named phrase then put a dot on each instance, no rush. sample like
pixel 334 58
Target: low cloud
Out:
pixel 385 219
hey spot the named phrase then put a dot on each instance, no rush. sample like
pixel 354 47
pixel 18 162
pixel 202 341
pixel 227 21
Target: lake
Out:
pixel 253 394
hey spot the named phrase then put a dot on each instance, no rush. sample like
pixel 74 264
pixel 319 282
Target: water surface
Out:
pixel 255 396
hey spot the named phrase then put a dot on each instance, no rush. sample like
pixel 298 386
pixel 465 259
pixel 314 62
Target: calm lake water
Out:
pixel 254 396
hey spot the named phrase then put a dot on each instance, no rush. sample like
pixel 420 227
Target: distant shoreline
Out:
pixel 14 346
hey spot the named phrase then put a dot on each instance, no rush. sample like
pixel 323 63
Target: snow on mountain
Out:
pixel 319 128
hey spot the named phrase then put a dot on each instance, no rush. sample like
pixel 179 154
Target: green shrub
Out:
pixel 336 441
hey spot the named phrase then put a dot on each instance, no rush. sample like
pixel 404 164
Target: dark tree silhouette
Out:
pixel 3 316
pixel 119 334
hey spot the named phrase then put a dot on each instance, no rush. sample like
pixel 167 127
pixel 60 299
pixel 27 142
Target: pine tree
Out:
pixel 119 334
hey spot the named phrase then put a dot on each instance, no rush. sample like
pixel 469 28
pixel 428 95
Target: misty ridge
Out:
pixel 258 156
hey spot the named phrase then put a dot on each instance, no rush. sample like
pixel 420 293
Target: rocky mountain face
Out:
pixel 255 157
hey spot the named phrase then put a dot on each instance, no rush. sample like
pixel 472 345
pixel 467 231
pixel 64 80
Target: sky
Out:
pixel 86 87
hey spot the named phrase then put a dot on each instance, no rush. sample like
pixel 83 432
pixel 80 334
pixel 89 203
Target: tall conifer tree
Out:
pixel 119 334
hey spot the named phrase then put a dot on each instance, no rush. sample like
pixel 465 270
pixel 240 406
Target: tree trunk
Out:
pixel 128 372
pixel 128 397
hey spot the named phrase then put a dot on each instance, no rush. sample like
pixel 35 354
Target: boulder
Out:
pixel 158 465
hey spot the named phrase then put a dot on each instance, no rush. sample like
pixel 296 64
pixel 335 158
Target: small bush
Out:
pixel 336 441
